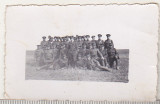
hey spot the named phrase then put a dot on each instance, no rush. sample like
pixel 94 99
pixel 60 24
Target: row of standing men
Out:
pixel 70 51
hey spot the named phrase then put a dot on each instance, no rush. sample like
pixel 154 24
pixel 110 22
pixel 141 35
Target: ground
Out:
pixel 120 75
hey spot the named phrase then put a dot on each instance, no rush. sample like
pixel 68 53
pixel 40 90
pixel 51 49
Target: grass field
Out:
pixel 120 75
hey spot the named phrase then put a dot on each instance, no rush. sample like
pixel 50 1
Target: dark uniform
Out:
pixel 93 41
pixel 108 42
pixel 44 43
pixel 113 56
pixel 100 42
pixel 72 53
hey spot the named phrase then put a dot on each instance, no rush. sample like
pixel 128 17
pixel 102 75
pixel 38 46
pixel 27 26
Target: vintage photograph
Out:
pixel 77 58
pixel 81 52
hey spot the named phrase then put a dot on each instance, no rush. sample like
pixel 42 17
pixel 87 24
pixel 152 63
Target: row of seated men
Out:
pixel 57 53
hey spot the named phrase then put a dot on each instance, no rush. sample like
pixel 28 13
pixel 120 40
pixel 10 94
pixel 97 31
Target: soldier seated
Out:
pixel 80 61
pixel 97 55
pixel 92 64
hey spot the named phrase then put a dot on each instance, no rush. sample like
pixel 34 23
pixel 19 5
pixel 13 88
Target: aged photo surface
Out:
pixel 86 52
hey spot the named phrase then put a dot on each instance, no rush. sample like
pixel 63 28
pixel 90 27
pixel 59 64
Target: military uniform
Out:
pixel 72 53
pixel 108 42
pixel 48 56
pixel 100 42
pixel 113 56
pixel 105 55
pixel 93 64
pixel 44 43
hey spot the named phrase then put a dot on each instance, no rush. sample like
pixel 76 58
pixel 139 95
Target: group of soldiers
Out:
pixel 76 51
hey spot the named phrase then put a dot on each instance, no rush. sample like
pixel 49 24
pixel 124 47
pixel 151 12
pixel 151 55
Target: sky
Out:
pixel 27 24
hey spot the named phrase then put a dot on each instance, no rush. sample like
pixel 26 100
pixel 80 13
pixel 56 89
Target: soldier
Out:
pixel 97 55
pixel 87 41
pixel 93 41
pixel 54 42
pixel 44 43
pixel 82 50
pixel 61 61
pixel 39 56
pixel 100 42
pixel 105 55
pixel 72 52
pixel 48 55
pixel 113 56
pixel 55 52
pixel 108 42
pixel 49 42
pixel 92 64
pixel 79 42
pixel 80 61
pixel 48 58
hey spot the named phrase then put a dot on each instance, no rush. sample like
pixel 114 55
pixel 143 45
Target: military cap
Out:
pixel 44 37
pixel 93 36
pixel 87 36
pixel 108 35
pixel 82 36
pixel 99 35
pixel 71 37
pixel 49 36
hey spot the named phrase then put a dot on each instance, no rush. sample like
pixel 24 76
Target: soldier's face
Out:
pixel 93 38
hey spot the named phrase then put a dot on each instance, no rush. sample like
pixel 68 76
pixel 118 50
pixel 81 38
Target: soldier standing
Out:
pixel 44 43
pixel 93 41
pixel 108 42
pixel 72 52
pixel 49 42
pixel 87 42
pixel 100 42
pixel 113 56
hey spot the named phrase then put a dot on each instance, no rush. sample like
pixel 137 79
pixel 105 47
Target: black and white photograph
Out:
pixel 81 52
pixel 77 57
